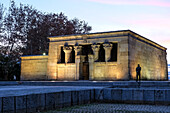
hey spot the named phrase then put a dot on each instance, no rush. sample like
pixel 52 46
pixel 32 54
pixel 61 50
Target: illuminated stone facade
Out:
pixel 97 56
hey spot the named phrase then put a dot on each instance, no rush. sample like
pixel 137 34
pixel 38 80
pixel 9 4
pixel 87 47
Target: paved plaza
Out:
pixel 114 108
pixel 36 87
pixel 76 96
pixel 6 91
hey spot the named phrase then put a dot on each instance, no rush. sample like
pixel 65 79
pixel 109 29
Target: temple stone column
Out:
pixel 77 50
pixel 107 47
pixel 91 67
pixel 77 61
pixel 67 50
pixel 59 54
pixel 82 59
pixel 95 49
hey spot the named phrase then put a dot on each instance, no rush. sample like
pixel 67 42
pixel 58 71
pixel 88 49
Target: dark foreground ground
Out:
pixel 20 96
pixel 113 108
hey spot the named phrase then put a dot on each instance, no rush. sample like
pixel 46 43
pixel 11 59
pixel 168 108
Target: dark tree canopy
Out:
pixel 1 24
pixel 24 31
pixel 27 29
pixel 1 17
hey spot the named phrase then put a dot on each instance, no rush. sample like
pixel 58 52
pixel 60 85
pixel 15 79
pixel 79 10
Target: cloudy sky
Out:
pixel 149 18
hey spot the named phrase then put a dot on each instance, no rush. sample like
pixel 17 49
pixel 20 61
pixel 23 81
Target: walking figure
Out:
pixel 138 69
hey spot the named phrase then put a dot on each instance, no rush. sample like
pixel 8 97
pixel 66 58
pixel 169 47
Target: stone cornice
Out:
pixel 88 36
pixel 106 35
pixel 145 40
pixel 34 57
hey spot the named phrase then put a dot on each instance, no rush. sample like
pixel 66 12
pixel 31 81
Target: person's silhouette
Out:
pixel 138 69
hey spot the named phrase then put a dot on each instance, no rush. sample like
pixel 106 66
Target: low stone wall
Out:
pixel 133 95
pixel 46 101
pixel 113 84
pixel 55 100
pixel 34 67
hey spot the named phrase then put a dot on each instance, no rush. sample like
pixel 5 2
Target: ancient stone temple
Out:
pixel 97 56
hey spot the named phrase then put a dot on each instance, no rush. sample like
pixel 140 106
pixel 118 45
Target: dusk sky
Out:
pixel 149 18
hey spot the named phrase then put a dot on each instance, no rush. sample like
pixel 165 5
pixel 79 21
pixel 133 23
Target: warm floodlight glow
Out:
pixel 120 57
pixel 44 53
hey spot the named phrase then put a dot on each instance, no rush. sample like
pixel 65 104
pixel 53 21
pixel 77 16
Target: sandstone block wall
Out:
pixel 117 70
pixel 132 49
pixel 151 59
pixel 66 71
pixel 105 71
pixel 123 52
pixel 34 67
pixel 52 61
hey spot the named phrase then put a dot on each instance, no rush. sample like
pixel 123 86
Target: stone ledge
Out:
pixel 46 101
pixel 56 100
pixel 38 57
pixel 137 95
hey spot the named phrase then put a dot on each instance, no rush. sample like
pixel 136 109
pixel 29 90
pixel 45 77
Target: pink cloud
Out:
pixel 166 42
pixel 154 23
pixel 151 21
pixel 161 3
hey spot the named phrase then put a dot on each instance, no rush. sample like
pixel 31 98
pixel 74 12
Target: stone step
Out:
pixel 121 84
pixel 101 83
pixel 31 103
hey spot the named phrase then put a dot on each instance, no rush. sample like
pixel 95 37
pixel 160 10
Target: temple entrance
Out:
pixel 85 71
pixel 84 64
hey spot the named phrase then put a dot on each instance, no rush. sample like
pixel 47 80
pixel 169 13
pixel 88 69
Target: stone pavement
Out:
pixel 33 96
pixel 6 91
pixel 114 108
pixel 19 90
pixel 128 84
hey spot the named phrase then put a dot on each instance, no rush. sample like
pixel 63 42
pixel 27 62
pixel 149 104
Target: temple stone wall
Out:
pixel 132 49
pixel 151 59
pixel 67 71
pixel 105 71
pixel 122 67
pixel 34 67
pixel 52 61
pixel 117 70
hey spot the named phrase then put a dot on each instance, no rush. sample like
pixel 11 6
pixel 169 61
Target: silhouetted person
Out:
pixel 138 69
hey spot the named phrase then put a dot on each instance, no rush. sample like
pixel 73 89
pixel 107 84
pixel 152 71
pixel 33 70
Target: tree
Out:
pixel 80 26
pixel 27 29
pixel 52 25
pixel 1 17
pixel 9 67
pixel 24 31
pixel 14 26
pixel 1 25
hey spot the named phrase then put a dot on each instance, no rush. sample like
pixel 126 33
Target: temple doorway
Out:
pixel 84 63
pixel 85 71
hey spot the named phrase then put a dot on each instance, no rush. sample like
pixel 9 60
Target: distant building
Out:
pixel 97 56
